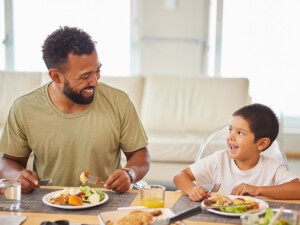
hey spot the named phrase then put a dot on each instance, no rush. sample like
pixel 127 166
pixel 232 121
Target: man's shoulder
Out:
pixel 31 96
pixel 107 90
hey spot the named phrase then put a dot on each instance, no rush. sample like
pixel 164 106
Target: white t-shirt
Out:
pixel 220 168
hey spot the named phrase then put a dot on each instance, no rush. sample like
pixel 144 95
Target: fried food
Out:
pixel 60 200
pixel 135 217
pixel 83 177
pixel 138 217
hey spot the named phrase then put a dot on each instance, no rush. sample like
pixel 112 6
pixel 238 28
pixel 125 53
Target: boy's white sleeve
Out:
pixel 205 170
pixel 283 175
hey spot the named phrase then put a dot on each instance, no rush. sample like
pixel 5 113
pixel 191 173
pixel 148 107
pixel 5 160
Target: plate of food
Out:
pixel 135 216
pixel 232 200
pixel 75 198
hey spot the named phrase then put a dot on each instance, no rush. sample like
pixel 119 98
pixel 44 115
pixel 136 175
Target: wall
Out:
pixel 169 41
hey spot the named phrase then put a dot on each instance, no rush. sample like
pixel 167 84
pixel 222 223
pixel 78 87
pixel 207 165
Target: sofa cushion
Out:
pixel 132 85
pixel 174 146
pixel 191 104
pixel 12 86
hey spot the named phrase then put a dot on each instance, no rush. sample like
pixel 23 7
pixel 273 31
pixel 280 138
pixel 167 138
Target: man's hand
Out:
pixel 198 193
pixel 245 189
pixel 29 181
pixel 118 181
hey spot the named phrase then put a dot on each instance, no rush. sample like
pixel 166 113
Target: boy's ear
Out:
pixel 263 143
pixel 55 75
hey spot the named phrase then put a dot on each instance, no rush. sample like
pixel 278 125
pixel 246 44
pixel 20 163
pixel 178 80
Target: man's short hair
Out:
pixel 64 41
pixel 261 119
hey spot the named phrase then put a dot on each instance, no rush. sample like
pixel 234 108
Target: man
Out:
pixel 73 124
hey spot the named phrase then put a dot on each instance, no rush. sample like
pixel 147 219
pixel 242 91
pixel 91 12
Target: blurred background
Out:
pixel 255 39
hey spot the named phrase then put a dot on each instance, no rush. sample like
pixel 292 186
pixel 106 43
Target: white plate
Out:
pixel 262 206
pixel 46 200
pixel 118 214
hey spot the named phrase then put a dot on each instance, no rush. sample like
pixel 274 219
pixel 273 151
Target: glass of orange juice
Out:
pixel 153 196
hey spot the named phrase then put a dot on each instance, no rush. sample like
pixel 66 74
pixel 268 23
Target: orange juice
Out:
pixel 153 202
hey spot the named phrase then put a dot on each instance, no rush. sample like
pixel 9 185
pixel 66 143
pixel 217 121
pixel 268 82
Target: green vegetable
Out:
pixel 234 209
pixel 88 192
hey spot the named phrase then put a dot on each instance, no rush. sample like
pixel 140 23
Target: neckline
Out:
pixel 66 115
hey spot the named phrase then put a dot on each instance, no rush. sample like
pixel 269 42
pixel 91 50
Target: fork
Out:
pixel 215 188
pixel 94 180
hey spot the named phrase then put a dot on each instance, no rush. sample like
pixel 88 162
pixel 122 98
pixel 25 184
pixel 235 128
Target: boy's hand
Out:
pixel 245 189
pixel 198 193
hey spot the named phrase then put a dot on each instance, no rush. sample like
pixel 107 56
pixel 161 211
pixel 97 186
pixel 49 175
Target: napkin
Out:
pixel 11 220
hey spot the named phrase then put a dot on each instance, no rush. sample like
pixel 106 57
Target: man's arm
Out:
pixel 138 161
pixel 14 167
pixel 289 190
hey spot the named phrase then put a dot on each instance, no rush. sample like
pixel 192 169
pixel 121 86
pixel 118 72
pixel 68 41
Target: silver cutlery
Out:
pixel 194 211
pixel 94 180
pixel 45 181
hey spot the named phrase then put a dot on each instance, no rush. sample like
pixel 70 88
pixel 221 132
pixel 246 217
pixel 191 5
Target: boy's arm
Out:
pixel 289 190
pixel 184 181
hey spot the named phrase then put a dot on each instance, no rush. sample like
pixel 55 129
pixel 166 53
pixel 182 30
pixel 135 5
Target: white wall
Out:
pixel 170 40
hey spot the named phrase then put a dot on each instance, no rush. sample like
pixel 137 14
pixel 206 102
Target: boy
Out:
pixel 241 169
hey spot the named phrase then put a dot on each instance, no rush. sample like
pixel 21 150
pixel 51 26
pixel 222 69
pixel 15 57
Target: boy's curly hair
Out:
pixel 64 41
pixel 262 121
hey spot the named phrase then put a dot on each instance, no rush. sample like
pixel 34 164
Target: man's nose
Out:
pixel 94 80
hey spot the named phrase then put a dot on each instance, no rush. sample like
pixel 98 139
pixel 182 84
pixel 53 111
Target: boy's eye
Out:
pixel 230 130
pixel 241 133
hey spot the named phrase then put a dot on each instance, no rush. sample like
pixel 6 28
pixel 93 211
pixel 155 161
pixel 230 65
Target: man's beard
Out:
pixel 77 98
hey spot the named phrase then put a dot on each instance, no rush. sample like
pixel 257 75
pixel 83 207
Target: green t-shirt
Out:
pixel 65 145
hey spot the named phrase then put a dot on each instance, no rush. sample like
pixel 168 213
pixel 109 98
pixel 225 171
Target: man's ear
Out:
pixel 263 143
pixel 56 76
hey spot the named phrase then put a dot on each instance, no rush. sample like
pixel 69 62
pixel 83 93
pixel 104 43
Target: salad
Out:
pixel 89 195
pixel 268 217
pixel 76 197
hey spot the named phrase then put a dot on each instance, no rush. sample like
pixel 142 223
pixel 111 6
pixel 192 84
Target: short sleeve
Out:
pixel 283 175
pixel 205 170
pixel 132 136
pixel 13 140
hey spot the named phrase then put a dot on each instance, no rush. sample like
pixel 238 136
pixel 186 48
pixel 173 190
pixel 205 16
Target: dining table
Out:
pixel 174 200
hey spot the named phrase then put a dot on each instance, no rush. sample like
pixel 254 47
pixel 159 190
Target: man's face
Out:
pixel 81 78
pixel 78 98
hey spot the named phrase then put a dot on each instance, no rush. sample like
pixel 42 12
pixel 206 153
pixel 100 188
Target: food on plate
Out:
pixel 75 200
pixel 76 197
pixel 268 217
pixel 83 177
pixel 138 217
pixel 62 199
pixel 223 200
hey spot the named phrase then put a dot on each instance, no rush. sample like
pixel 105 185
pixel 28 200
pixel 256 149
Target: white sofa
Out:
pixel 177 112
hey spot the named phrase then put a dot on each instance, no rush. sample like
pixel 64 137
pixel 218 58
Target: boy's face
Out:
pixel 241 144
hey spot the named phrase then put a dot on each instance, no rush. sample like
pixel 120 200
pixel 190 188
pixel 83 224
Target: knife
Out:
pixel 45 181
pixel 194 211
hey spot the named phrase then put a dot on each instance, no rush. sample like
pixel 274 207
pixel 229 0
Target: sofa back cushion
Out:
pixel 193 104
pixel 12 86
pixel 132 85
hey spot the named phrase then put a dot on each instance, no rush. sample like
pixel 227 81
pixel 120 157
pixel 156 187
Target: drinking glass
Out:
pixel 153 196
pixel 10 194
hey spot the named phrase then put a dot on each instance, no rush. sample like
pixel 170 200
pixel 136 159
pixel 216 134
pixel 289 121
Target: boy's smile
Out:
pixel 241 145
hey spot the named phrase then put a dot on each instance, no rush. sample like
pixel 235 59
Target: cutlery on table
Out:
pixel 194 211
pixel 45 181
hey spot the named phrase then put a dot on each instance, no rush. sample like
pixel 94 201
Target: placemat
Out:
pixel 184 203
pixel 33 203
